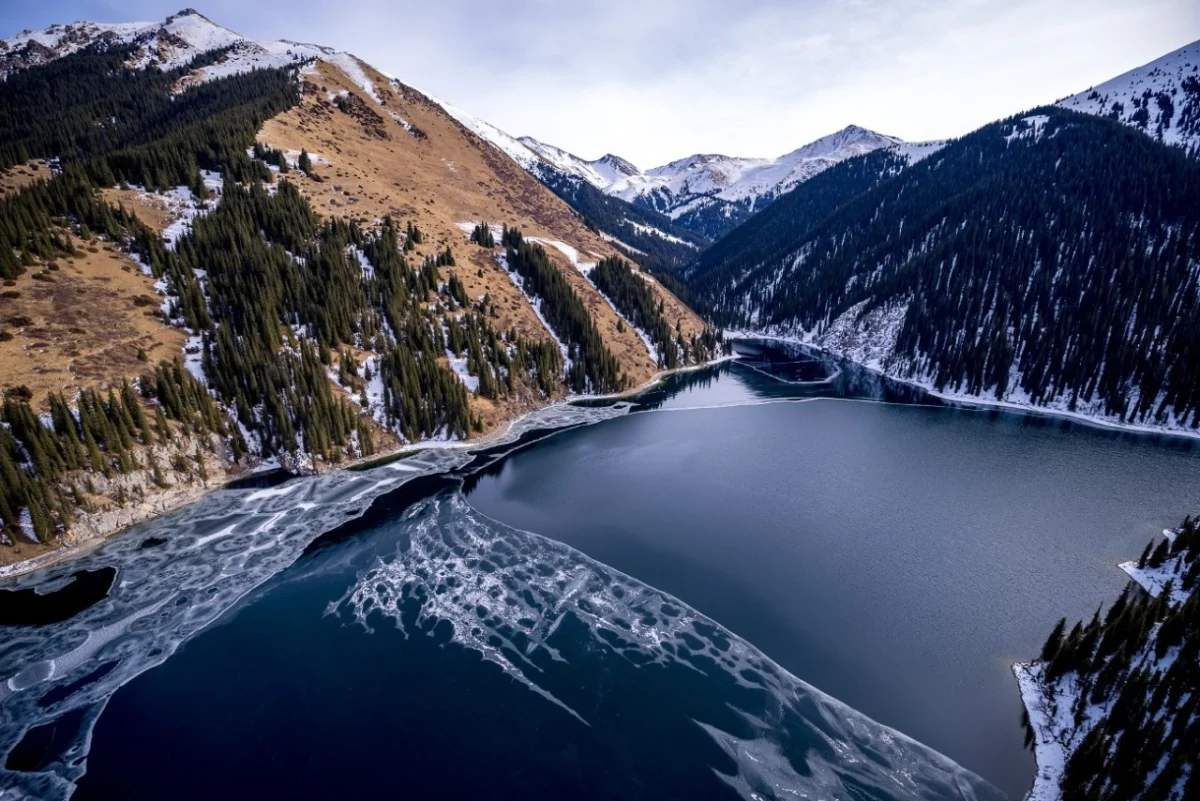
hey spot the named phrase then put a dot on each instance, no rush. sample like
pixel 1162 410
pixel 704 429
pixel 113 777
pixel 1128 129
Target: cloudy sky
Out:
pixel 655 80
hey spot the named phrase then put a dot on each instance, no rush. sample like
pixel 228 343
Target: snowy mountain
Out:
pixel 710 194
pixel 1161 98
pixel 170 44
pixel 749 179
pixel 938 273
pixel 601 173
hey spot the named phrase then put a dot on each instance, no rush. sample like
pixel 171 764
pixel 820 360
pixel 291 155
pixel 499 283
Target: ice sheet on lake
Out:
pixel 506 592
pixel 175 576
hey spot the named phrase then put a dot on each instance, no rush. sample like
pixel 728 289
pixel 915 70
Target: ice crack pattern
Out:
pixel 508 594
pixel 175 576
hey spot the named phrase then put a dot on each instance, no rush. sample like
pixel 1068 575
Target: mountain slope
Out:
pixel 642 234
pixel 293 243
pixel 1161 98
pixel 1048 260
pixel 778 229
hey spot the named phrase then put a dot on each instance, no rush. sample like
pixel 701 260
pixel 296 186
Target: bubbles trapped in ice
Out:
pixel 507 592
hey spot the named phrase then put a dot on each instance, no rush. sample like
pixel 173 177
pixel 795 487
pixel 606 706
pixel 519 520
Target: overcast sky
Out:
pixel 656 80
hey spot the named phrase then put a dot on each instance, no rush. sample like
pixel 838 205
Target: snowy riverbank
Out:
pixel 1062 710
pixel 875 363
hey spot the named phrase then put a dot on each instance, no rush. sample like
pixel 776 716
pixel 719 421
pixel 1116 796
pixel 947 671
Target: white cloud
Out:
pixel 655 80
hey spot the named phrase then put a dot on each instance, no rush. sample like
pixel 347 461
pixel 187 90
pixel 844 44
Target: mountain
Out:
pixel 601 173
pixel 1161 98
pixel 1047 260
pixel 166 45
pixel 711 194
pixel 752 181
pixel 220 254
pixel 641 234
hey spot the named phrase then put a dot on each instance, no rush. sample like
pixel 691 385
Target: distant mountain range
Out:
pixel 707 194
pixel 672 187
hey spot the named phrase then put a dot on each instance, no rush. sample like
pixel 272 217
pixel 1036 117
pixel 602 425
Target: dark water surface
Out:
pixel 654 606
pixel 898 557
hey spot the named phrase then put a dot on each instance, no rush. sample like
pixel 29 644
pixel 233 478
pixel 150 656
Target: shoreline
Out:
pixel 69 551
pixel 982 403
pixel 1050 754
pixel 1057 735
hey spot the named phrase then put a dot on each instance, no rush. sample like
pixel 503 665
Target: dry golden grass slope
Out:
pixel 439 174
pixel 14 179
pixel 79 322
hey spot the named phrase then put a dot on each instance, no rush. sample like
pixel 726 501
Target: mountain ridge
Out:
pixel 902 274
pixel 1161 98
pixel 710 193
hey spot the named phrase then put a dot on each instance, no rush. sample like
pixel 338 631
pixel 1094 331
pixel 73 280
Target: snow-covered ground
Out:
pixel 1053 720
pixel 652 231
pixel 625 245
pixel 571 253
pixel 1155 579
pixel 1052 706
pixel 186 207
pixel 1123 95
pixel 1028 128
pixel 869 343
pixel 459 366
pixel 916 151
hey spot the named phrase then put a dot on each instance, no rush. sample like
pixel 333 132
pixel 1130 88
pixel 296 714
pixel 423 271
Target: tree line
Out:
pixel 592 368
pixel 636 301
pixel 1136 668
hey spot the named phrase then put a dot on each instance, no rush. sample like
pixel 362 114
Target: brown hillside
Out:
pixel 14 179
pixel 439 175
pixel 79 321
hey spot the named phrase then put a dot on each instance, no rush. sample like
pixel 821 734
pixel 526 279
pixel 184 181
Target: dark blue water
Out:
pixel 696 574
pixel 899 557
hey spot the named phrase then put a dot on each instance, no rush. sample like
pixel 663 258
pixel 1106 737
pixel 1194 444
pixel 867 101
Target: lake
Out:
pixel 773 575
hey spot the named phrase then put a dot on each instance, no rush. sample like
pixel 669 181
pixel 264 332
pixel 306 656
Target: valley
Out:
pixel 335 416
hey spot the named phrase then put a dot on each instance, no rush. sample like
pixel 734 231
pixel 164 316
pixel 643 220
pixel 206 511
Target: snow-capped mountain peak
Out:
pixel 601 173
pixel 1161 98
pixel 851 140
pixel 747 180
pixel 169 44
pixel 613 165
